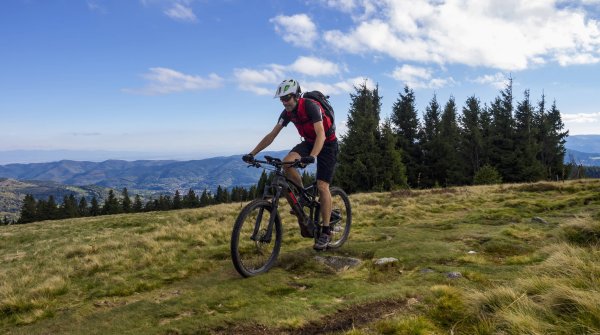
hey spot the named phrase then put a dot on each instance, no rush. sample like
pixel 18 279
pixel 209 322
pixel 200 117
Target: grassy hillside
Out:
pixel 527 257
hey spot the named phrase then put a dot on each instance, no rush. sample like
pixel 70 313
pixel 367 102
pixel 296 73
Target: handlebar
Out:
pixel 276 162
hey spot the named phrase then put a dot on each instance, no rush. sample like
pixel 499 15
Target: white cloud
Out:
pixel 296 29
pixel 508 35
pixel 340 87
pixel 581 117
pixel 164 81
pixel 343 5
pixel 312 66
pixel 497 80
pixel 264 81
pixel 420 77
pixel 256 80
pixel 181 12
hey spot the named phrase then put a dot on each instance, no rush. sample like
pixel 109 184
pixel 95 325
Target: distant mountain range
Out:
pixel 147 177
pixel 583 143
pixel 144 175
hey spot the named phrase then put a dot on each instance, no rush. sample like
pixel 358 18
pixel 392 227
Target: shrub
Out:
pixel 487 175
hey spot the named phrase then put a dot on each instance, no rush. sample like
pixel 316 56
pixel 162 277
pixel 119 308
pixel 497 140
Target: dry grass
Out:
pixel 169 272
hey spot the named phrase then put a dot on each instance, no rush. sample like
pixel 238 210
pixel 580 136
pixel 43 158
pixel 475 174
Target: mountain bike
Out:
pixel 257 233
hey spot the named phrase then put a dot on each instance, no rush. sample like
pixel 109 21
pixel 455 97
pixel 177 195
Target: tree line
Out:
pixel 34 210
pixel 505 141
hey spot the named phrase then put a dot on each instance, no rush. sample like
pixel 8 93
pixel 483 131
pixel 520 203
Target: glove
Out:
pixel 248 158
pixel 307 160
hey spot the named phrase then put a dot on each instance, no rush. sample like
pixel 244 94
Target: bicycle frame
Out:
pixel 274 191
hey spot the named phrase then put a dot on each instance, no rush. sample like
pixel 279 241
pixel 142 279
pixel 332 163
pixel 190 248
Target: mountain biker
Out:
pixel 312 123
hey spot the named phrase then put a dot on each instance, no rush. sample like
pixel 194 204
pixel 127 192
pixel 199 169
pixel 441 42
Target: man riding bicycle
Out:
pixel 320 144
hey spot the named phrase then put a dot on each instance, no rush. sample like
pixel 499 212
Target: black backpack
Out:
pixel 324 101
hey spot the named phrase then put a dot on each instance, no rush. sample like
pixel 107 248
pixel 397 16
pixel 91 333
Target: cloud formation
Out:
pixel 165 81
pixel 419 77
pixel 298 30
pixel 498 80
pixel 181 12
pixel 581 117
pixel 263 81
pixel 509 35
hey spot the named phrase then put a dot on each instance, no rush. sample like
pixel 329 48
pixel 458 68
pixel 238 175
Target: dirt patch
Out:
pixel 342 320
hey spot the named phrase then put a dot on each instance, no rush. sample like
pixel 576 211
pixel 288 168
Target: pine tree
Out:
pixel 429 142
pixel 485 127
pixel 28 210
pixel 451 165
pixel 358 159
pixel 82 207
pixel 94 207
pixel 471 137
pixel 502 135
pixel 125 201
pixel 177 203
pixel 49 210
pixel 138 206
pixel 406 124
pixel 111 205
pixel 527 148
pixel 551 138
pixel 206 198
pixel 69 208
pixel 393 171
pixel 190 200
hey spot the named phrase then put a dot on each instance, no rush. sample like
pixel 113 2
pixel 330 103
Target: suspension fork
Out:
pixel 266 238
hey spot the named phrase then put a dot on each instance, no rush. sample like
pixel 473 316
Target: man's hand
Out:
pixel 248 158
pixel 307 160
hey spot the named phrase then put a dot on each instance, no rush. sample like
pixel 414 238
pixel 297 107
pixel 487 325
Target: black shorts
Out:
pixel 326 159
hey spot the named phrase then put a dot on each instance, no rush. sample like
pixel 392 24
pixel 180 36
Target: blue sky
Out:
pixel 195 78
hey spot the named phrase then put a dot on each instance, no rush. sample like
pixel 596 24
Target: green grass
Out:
pixel 170 272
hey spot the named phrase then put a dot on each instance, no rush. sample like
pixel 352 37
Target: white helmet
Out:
pixel 288 86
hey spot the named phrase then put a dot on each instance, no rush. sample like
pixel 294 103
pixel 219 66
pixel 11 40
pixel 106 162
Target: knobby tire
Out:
pixel 253 257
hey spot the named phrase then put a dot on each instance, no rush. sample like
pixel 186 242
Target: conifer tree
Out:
pixel 82 207
pixel 205 198
pixel 125 201
pixel 177 203
pixel 406 124
pixel 527 148
pixel 358 158
pixel 138 206
pixel 393 172
pixel 502 135
pixel 28 210
pixel 94 207
pixel 471 136
pixel 48 210
pixel 190 200
pixel 111 205
pixel 430 144
pixel 69 207
pixel 451 165
pixel 552 140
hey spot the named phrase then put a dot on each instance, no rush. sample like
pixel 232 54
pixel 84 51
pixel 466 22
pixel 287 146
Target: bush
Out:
pixel 487 175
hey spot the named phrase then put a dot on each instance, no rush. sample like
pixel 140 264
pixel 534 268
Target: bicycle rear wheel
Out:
pixel 341 217
pixel 253 249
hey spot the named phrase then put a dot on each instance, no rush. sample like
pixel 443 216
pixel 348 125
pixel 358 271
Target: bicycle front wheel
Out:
pixel 341 217
pixel 254 249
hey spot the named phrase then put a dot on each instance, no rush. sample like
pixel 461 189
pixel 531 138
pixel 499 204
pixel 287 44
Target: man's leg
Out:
pixel 291 172
pixel 325 200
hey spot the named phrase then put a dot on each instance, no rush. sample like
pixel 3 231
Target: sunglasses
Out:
pixel 286 98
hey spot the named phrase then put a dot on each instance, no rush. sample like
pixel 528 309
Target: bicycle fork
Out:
pixel 266 237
